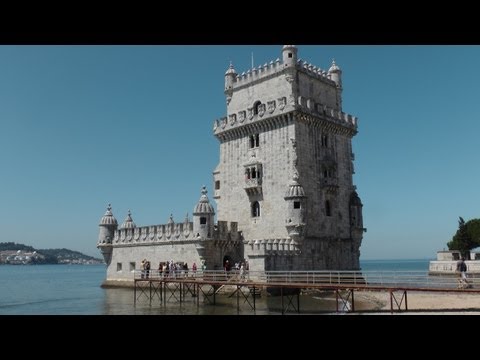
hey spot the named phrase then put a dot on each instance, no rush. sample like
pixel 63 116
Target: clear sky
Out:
pixel 84 126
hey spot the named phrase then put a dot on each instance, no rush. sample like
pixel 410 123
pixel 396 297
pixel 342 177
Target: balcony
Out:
pixel 329 184
pixel 253 186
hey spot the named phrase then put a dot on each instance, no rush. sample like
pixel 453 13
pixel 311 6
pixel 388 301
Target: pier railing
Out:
pixel 410 279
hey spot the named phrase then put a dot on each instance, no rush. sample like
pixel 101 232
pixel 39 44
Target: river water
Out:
pixel 75 290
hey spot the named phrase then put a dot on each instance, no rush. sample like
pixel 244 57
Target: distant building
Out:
pixel 20 257
pixel 446 262
pixel 283 187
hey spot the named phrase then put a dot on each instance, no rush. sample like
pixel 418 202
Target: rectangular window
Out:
pixel 296 204
pixel 119 267
pixel 254 141
pixel 132 266
pixel 217 185
pixel 328 209
pixel 203 220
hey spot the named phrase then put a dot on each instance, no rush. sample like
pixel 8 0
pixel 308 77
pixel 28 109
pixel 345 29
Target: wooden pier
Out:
pixel 288 285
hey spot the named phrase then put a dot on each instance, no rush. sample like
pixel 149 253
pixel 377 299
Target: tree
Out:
pixel 467 237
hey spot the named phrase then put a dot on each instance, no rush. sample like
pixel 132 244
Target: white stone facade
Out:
pixel 285 121
pixel 283 183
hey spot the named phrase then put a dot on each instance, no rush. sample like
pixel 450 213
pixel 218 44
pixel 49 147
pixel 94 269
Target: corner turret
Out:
pixel 230 77
pixel 335 74
pixel 289 54
pixel 356 217
pixel 296 208
pixel 203 217
pixel 108 225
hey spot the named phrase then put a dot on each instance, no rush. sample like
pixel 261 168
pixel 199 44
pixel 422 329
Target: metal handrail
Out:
pixel 419 279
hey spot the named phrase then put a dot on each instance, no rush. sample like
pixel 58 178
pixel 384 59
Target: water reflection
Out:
pixel 121 302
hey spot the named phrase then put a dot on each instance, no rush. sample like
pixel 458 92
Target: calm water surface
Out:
pixel 75 290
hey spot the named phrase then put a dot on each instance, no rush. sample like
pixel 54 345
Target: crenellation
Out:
pixel 307 104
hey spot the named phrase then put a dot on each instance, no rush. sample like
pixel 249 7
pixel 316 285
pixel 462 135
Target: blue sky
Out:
pixel 82 126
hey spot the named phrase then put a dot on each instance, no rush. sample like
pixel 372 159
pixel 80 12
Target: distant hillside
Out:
pixel 12 253
pixel 13 246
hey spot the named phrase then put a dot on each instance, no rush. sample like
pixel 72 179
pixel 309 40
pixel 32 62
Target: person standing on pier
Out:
pixel 462 269
pixel 194 269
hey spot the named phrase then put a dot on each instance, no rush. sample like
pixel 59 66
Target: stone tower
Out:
pixel 286 166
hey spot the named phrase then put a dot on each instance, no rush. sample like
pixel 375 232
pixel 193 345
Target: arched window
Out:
pixel 257 140
pixel 256 209
pixel 256 107
pixel 247 174
pixel 252 142
pixel 328 209
pixel 254 173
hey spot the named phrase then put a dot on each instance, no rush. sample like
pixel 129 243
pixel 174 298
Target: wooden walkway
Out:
pixel 206 286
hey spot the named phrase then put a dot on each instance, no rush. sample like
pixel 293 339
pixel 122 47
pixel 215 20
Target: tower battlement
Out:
pixel 273 68
pixel 270 108
pixel 180 232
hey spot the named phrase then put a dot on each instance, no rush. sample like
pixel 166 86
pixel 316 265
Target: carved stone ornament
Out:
pixel 282 102
pixel 232 119
pixel 250 113
pixel 241 116
pixel 223 122
pixel 271 106
pixel 261 110
pixel 159 232
pixel 291 99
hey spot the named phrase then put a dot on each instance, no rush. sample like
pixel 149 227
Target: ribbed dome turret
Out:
pixel 355 199
pixel 108 218
pixel 295 190
pixel 203 206
pixel 334 67
pixel 231 70
pixel 128 223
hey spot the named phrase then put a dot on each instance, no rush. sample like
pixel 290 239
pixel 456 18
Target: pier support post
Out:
pixel 281 294
pixel 135 293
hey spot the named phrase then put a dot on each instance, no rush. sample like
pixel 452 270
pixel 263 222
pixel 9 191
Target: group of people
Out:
pixel 240 267
pixel 145 267
pixel 181 269
pixel 169 268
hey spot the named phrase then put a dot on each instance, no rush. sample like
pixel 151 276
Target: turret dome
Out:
pixel 203 206
pixel 108 218
pixel 231 70
pixel 128 223
pixel 355 199
pixel 334 67
pixel 295 190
